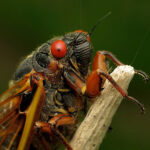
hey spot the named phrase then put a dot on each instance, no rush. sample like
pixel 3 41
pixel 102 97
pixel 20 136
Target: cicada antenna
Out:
pixel 98 22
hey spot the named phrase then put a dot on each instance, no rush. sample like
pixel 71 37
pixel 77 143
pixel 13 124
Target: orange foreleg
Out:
pixel 99 74
pixel 95 83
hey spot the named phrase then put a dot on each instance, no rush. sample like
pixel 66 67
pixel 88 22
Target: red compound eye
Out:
pixel 58 49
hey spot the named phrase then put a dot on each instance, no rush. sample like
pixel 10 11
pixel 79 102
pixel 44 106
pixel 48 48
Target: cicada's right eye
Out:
pixel 58 49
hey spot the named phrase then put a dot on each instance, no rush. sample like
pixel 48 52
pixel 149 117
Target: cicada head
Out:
pixel 71 50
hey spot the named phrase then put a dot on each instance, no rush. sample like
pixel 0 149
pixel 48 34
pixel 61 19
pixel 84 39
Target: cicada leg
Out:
pixel 52 127
pixel 98 76
pixel 118 63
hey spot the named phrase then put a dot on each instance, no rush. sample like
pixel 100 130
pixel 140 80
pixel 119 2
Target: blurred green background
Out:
pixel 26 24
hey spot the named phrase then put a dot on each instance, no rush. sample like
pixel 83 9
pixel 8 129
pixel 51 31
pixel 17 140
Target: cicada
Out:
pixel 50 89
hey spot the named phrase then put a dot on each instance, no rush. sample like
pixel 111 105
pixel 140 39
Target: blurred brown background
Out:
pixel 26 24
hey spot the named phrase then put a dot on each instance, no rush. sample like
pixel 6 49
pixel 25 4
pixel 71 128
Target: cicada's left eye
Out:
pixel 58 49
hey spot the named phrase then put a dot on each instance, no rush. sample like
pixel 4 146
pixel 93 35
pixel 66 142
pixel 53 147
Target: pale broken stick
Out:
pixel 92 130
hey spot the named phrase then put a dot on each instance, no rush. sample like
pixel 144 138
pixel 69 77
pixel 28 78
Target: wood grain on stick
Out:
pixel 92 130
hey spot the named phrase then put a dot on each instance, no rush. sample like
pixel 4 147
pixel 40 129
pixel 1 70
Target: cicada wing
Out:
pixel 11 121
pixel 10 125
pixel 32 115
pixel 10 133
pixel 15 89
pixel 10 100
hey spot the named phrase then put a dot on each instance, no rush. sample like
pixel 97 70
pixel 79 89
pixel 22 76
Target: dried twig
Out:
pixel 92 130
